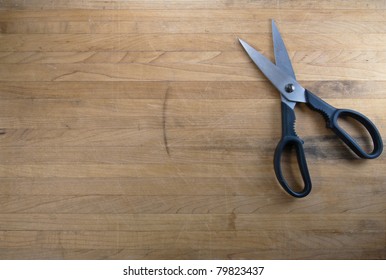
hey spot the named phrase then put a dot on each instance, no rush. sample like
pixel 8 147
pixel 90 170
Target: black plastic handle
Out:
pixel 290 139
pixel 297 143
pixel 332 115
pixel 350 141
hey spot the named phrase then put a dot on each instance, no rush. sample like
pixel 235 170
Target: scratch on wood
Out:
pixel 164 108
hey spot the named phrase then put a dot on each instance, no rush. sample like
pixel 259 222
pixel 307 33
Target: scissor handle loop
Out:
pixel 332 116
pixel 350 141
pixel 290 139
pixel 285 143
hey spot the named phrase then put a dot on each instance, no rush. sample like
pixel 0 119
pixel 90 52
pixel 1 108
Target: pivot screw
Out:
pixel 289 88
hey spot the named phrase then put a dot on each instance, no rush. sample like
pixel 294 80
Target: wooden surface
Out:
pixel 141 130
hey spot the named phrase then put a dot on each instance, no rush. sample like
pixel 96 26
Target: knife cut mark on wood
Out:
pixel 164 108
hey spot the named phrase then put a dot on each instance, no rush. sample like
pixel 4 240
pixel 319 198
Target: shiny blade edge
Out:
pixel 276 75
pixel 282 59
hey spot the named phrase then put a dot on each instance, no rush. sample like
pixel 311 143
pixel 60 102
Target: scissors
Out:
pixel 282 76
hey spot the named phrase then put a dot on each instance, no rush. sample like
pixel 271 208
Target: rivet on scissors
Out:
pixel 289 88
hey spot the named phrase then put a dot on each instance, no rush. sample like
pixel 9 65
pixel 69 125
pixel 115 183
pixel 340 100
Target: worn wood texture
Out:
pixel 141 130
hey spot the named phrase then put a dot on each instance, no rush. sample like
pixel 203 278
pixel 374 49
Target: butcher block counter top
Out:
pixel 142 130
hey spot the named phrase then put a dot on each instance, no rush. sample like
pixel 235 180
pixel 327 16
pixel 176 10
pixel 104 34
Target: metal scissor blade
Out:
pixel 281 55
pixel 276 75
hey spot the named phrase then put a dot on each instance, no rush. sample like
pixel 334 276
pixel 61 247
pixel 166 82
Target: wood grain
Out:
pixel 141 130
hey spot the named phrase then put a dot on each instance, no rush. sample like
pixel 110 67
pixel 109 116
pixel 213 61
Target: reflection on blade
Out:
pixel 281 55
pixel 277 77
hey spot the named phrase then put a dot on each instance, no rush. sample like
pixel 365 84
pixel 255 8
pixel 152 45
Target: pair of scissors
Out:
pixel 282 76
